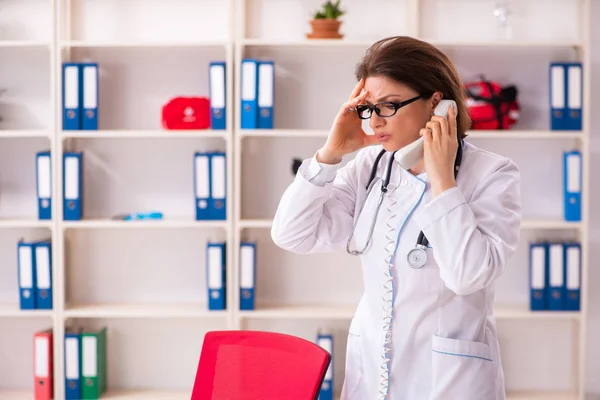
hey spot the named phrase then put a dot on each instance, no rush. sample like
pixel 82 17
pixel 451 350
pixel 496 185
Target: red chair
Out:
pixel 254 365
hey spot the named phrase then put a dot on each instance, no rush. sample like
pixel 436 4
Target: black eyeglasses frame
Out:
pixel 397 105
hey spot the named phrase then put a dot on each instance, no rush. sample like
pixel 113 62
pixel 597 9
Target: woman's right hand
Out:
pixel 346 134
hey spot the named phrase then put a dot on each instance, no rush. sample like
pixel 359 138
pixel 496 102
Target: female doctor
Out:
pixel 433 236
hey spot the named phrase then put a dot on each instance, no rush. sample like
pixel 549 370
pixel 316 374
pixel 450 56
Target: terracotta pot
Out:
pixel 325 29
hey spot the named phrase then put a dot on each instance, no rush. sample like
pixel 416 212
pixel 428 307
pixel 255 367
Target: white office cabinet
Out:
pixel 146 281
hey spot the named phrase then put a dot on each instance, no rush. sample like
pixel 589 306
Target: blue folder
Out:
pixel 249 94
pixel 215 275
pixel 572 182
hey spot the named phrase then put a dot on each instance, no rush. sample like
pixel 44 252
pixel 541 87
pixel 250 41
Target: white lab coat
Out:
pixel 444 340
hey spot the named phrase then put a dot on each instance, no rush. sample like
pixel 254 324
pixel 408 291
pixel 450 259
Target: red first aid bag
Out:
pixel 186 113
pixel 492 106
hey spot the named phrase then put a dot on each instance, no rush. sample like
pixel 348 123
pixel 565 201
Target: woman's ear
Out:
pixel 435 100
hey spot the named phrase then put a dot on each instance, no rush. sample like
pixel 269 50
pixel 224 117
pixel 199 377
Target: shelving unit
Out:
pixel 147 279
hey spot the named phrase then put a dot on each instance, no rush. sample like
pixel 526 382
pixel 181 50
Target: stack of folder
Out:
pixel 210 185
pixel 72 185
pixel 325 340
pixel 85 364
pixel 43 367
pixel 566 95
pixel 555 276
pixel 80 96
pixel 257 94
pixel 216 275
pixel 34 261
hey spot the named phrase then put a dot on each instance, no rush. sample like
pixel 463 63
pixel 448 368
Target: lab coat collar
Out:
pixel 406 173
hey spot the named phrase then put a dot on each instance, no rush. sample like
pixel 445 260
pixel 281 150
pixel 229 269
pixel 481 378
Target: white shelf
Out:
pixel 299 312
pixel 146 395
pixel 135 44
pixel 307 43
pixel 13 311
pixel 141 311
pixel 255 223
pixel 25 133
pixel 526 224
pixel 24 223
pixel 17 394
pixel 147 134
pixel 24 43
pixel 522 311
pixel 144 224
pixel 501 312
pixel 525 134
pixel 321 133
pixel 440 43
pixel 479 134
pixel 506 43
pixel 549 224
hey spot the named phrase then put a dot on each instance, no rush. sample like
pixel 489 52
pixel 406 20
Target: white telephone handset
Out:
pixel 411 154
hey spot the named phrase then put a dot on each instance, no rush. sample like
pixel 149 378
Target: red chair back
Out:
pixel 255 365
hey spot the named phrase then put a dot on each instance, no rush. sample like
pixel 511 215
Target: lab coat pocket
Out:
pixel 353 368
pixel 462 370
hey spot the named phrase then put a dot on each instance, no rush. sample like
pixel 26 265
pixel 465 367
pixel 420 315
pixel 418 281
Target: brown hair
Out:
pixel 420 66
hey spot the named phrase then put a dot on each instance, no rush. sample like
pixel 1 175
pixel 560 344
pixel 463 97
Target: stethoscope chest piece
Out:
pixel 417 257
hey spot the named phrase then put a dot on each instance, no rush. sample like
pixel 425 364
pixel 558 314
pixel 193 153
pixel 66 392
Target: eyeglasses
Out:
pixel 385 109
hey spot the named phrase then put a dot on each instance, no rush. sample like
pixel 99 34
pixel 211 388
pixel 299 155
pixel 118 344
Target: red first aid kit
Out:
pixel 186 113
pixel 492 106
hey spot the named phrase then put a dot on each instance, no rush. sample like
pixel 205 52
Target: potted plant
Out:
pixel 325 23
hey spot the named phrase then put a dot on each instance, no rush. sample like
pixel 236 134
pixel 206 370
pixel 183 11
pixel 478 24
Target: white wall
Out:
pixel 122 175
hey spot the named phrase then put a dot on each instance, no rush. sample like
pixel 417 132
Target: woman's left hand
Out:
pixel 440 147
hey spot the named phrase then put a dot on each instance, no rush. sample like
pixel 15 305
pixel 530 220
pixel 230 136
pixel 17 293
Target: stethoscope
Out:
pixel 417 257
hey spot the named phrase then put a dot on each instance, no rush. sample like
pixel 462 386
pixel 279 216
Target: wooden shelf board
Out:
pixel 141 311
pixel 12 310
pixel 146 134
pixel 154 224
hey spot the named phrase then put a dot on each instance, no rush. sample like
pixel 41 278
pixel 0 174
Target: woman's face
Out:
pixel 403 127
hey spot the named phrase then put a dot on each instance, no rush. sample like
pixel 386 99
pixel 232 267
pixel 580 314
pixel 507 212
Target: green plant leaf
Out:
pixel 330 10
